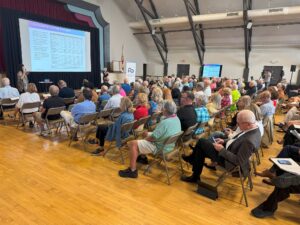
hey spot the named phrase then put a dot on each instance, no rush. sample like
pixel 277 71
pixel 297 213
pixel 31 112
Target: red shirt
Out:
pixel 140 112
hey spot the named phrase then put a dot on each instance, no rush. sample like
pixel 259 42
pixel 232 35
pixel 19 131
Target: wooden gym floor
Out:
pixel 43 181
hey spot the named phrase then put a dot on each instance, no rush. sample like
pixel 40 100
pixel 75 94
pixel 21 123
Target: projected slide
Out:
pixel 212 70
pixel 48 48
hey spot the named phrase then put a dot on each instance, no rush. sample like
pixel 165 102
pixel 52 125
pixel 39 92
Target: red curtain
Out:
pixel 46 8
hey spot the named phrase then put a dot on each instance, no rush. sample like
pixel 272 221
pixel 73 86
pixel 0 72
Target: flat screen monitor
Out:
pixel 211 70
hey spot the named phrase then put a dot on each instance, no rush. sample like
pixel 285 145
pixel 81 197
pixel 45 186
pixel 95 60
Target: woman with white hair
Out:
pixel 153 140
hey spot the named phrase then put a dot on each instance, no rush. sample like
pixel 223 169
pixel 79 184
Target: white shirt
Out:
pixel 113 102
pixel 28 98
pixel 207 91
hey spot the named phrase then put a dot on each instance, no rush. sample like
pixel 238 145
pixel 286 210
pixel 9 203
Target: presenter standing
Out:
pixel 22 78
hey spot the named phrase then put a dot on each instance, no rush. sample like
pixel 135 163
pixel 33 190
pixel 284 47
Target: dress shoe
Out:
pixel 210 167
pixel 190 179
pixel 258 212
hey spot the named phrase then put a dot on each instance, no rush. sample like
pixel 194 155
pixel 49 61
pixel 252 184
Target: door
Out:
pixel 276 74
pixel 183 69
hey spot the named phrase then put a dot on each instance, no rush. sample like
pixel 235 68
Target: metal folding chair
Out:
pixel 27 117
pixel 153 121
pixel 126 127
pixel 8 105
pixel 242 177
pixel 57 122
pixel 138 123
pixel 162 156
pixel 69 101
pixel 104 117
pixel 84 127
pixel 115 114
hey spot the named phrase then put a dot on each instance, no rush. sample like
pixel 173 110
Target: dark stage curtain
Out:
pixel 12 50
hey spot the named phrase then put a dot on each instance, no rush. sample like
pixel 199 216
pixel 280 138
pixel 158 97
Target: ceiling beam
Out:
pixel 193 9
pixel 161 45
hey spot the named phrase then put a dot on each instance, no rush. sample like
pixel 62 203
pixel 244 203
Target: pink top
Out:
pixel 122 92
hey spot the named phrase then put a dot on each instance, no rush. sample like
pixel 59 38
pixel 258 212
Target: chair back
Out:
pixel 173 139
pixel 30 105
pixel 105 113
pixel 69 101
pixel 141 121
pixel 9 101
pixel 127 127
pixel 116 113
pixel 55 111
pixel 87 118
pixel 70 107
pixel 103 103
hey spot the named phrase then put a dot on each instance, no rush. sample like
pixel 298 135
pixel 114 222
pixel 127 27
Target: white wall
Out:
pixel 233 61
pixel 121 34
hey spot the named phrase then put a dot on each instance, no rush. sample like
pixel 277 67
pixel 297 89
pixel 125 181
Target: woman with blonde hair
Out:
pixel 215 103
pixel 156 102
pixel 113 131
pixel 142 106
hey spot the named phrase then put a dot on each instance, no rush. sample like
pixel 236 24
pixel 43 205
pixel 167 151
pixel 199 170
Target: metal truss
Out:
pixel 247 5
pixel 158 38
pixel 192 8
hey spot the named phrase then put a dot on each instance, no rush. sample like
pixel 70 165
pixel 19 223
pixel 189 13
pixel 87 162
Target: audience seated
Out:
pixel 153 141
pixel 65 92
pixel 226 99
pixel 156 102
pixel 52 102
pixel 176 92
pixel 103 97
pixel 126 87
pixel 227 153
pixel 7 92
pixel 115 100
pixel 285 183
pixel 186 113
pixel 86 107
pixel 201 112
pixel 235 96
pixel 91 87
pixel 113 131
pixel 207 90
pixel 29 96
pixel 252 90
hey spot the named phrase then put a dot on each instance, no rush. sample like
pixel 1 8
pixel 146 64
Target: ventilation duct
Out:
pixel 221 17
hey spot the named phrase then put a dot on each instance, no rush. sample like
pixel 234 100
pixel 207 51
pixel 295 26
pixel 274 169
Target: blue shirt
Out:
pixel 9 92
pixel 126 88
pixel 267 109
pixel 80 109
pixel 202 116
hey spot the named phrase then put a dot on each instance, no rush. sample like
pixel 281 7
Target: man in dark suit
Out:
pixel 227 153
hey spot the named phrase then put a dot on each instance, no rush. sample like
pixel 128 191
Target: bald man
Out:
pixel 52 102
pixel 227 153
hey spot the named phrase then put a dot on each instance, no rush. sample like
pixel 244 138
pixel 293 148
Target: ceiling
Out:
pixel 276 36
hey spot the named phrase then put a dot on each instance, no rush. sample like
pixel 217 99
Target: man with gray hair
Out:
pixel 115 100
pixel 153 141
pixel 228 153
pixel 65 91
pixel 7 91
pixel 52 102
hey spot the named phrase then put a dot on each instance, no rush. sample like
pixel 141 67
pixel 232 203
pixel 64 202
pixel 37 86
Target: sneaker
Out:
pixel 128 173
pixel 97 151
pixel 260 213
pixel 142 159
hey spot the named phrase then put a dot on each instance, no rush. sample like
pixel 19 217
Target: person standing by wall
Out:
pixel 22 78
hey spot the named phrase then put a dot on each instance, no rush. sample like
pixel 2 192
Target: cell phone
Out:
pixel 284 162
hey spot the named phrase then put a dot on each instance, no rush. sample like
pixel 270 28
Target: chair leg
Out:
pixel 167 172
pixel 262 151
pixel 180 163
pixel 122 157
pixel 243 188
